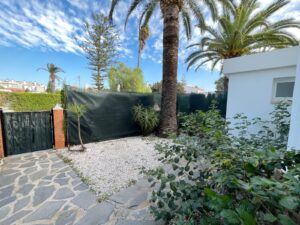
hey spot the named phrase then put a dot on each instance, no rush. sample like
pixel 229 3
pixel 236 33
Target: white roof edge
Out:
pixel 266 60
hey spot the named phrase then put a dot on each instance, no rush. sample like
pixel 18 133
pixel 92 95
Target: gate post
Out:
pixel 58 127
pixel 1 135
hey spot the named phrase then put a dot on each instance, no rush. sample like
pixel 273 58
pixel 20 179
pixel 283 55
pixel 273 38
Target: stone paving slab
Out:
pixel 39 188
pixel 31 194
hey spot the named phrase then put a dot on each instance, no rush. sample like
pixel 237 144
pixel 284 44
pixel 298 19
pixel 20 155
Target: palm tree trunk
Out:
pixel 168 119
pixel 79 134
pixel 52 80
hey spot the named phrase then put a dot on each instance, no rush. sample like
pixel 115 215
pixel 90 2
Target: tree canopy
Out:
pixel 157 87
pixel 244 30
pixel 127 79
pixel 222 84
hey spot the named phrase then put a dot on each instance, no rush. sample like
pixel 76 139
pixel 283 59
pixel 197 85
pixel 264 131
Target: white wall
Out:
pixel 294 135
pixel 261 61
pixel 251 86
pixel 251 92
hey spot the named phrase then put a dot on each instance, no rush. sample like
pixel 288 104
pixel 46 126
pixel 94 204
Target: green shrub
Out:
pixel 220 179
pixel 200 123
pixel 146 118
pixel 3 99
pixel 29 101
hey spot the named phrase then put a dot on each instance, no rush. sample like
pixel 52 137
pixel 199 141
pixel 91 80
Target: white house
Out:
pixel 22 85
pixel 258 81
pixel 193 89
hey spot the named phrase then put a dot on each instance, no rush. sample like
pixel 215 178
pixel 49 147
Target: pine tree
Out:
pixel 100 46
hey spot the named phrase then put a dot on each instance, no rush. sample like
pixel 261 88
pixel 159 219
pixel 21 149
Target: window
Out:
pixel 283 89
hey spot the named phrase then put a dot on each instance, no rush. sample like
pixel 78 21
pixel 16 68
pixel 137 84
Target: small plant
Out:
pixel 78 111
pixel 146 118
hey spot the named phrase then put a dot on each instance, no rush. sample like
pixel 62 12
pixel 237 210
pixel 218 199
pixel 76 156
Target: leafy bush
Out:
pixel 215 178
pixel 200 123
pixel 146 118
pixel 21 102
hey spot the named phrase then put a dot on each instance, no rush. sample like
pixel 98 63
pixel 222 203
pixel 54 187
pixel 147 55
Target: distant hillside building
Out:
pixel 21 86
pixel 193 89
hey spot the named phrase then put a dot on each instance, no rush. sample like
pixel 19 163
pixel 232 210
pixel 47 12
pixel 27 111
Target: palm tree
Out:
pixel 144 34
pixel 171 11
pixel 52 70
pixel 244 30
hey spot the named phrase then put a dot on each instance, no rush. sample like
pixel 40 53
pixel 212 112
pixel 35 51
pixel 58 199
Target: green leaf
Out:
pixel 173 187
pixel 285 220
pixel 230 216
pixel 175 167
pixel 250 168
pixel 289 202
pixel 246 217
pixel 171 177
pixel 269 217
pixel 187 168
pixel 160 204
pixel 209 192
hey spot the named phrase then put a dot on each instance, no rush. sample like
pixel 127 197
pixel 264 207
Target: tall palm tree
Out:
pixel 244 30
pixel 52 70
pixel 144 34
pixel 171 11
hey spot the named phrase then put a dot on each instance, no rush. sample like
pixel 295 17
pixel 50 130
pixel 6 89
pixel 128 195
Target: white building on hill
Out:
pixel 13 85
pixel 193 89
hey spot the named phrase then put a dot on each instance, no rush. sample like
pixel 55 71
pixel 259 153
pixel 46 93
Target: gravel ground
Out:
pixel 112 165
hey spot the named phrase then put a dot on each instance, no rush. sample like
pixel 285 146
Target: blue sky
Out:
pixel 36 32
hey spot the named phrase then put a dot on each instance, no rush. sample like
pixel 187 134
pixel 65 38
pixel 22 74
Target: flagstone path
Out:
pixel 39 188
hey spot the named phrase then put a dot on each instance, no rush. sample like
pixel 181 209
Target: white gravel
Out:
pixel 113 165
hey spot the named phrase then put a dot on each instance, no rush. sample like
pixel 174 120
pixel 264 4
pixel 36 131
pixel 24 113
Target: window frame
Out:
pixel 274 89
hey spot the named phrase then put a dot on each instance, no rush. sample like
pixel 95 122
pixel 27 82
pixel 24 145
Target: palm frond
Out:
pixel 132 7
pixel 186 20
pixel 148 11
pixel 243 29
pixel 114 3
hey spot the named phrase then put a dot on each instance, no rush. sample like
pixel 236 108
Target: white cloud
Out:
pixel 48 24
pixel 53 25
pixel 37 25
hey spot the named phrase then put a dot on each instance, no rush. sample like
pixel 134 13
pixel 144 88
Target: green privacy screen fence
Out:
pixel 109 114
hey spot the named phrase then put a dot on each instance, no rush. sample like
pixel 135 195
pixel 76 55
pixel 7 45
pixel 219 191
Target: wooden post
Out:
pixel 2 152
pixel 58 127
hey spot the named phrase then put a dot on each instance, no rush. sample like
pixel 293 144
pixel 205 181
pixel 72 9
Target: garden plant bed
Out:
pixel 110 166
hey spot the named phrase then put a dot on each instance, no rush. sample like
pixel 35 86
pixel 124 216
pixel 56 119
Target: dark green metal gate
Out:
pixel 27 131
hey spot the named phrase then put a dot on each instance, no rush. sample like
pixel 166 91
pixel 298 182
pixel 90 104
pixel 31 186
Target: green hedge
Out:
pixel 26 102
